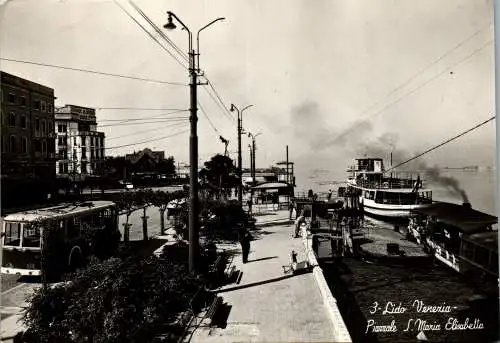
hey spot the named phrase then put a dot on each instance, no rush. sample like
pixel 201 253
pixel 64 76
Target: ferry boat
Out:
pixel 386 195
pixel 460 237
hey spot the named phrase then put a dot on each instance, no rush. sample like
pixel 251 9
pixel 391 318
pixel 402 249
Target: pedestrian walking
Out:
pixel 249 204
pixel 298 223
pixel 329 195
pixel 245 239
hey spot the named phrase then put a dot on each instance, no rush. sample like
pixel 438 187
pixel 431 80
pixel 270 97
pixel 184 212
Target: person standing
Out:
pixel 245 238
pixel 298 223
pixel 329 195
pixel 290 209
pixel 249 204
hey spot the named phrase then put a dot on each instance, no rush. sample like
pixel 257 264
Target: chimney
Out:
pixel 467 205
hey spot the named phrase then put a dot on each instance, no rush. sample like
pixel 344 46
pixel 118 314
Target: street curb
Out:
pixel 340 332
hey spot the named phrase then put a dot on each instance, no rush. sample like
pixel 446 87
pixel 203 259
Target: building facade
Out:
pixel 79 146
pixel 28 140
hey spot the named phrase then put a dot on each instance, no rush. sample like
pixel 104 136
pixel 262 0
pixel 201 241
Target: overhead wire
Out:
pixel 160 32
pixel 219 97
pixel 149 140
pixel 421 71
pixel 231 118
pixel 139 108
pixel 443 143
pixel 174 125
pixel 92 72
pixel 411 92
pixel 147 122
pixel 158 116
pixel 150 34
pixel 208 119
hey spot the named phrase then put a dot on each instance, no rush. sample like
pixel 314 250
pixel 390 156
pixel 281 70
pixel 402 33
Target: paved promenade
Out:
pixel 267 305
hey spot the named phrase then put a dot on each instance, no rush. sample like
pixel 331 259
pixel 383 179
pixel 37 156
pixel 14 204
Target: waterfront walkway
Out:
pixel 267 305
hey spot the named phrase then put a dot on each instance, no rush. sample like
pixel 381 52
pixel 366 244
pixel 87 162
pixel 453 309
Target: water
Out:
pixel 357 285
pixel 480 186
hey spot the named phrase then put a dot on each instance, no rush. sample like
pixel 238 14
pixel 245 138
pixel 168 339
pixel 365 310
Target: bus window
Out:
pixel 31 237
pixel 12 234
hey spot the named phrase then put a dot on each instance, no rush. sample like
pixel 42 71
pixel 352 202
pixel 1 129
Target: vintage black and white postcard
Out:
pixel 248 171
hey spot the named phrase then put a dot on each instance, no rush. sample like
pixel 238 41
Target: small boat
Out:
pixel 386 195
pixel 459 236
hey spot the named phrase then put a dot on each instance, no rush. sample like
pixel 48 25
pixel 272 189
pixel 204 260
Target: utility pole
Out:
pixel 240 130
pixel 194 69
pixel 287 178
pixel 253 161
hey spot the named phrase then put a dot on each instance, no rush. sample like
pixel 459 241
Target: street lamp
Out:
pixel 240 120
pixel 253 164
pixel 194 69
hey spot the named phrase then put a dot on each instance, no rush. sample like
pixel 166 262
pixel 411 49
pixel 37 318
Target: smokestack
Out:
pixel 467 205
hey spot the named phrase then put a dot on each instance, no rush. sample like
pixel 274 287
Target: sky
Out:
pixel 332 79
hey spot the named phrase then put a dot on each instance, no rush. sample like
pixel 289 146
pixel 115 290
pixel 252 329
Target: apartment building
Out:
pixel 28 140
pixel 80 147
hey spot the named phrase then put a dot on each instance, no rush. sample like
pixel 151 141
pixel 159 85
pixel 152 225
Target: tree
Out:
pixel 167 166
pixel 117 167
pixel 220 172
pixel 128 202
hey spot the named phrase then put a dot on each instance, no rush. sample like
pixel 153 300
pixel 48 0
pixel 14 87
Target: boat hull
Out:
pixel 389 211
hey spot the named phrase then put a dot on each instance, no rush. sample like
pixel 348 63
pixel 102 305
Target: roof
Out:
pixel 486 239
pixel 464 218
pixel 271 185
pixel 59 211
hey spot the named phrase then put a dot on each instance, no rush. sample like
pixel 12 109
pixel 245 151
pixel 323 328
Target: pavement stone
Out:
pixel 267 305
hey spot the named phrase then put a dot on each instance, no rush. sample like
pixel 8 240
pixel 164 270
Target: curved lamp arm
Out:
pixel 198 39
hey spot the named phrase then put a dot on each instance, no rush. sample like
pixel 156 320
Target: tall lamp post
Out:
pixel 253 160
pixel 194 69
pixel 240 130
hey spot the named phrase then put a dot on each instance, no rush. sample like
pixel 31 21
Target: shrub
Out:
pixel 117 300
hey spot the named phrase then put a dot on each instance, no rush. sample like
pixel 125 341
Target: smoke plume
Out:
pixel 451 184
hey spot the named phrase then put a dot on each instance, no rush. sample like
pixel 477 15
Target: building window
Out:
pixel 44 106
pixel 13 144
pixel 12 98
pixel 84 140
pixel 44 126
pixel 36 105
pixel 91 153
pixel 12 119
pixel 60 140
pixel 49 108
pixel 61 128
pixel 84 167
pixel 102 141
pixel 51 127
pixel 44 147
pixel 24 145
pixel 37 124
pixel 37 146
pixel 61 167
pixel 102 152
pixel 63 154
pixel 23 121
pixel 74 140
pixel 23 100
pixel 84 153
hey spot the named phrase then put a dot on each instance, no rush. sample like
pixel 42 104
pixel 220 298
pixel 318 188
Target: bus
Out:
pixel 74 231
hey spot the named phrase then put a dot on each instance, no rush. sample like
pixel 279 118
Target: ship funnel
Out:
pixel 467 205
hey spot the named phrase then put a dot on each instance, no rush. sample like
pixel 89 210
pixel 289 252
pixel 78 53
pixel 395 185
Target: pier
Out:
pixel 268 305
